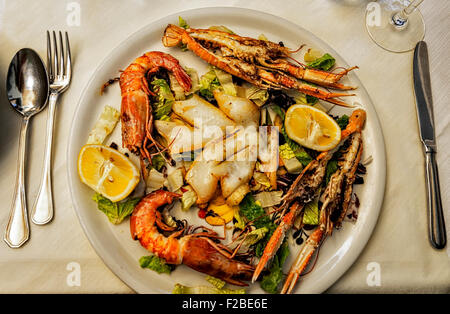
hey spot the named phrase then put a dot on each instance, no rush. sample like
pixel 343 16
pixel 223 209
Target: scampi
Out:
pixel 258 62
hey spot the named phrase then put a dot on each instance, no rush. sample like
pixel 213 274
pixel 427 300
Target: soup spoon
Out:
pixel 27 89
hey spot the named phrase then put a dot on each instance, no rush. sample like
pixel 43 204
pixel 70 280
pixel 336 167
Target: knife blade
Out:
pixel 425 116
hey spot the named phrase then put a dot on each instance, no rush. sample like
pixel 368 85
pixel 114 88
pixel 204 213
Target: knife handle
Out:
pixel 436 225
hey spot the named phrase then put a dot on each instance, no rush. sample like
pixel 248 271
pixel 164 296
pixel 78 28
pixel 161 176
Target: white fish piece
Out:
pixel 200 175
pixel 241 110
pixel 181 137
pixel 198 112
pixel 236 171
pixel 178 136
pixel 236 159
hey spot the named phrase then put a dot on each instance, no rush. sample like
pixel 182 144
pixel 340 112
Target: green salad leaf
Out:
pixel 311 212
pixel 158 162
pixel 216 79
pixel 271 281
pixel 116 212
pixel 182 23
pixel 164 100
pixel 226 81
pixel 311 100
pixel 216 282
pixel 155 263
pixel 208 83
pixel 188 199
pixel 332 167
pixel 239 222
pixel 217 287
pixel 325 62
pixel 342 121
pixel 252 211
pixel 182 289
pixel 257 94
pixel 250 239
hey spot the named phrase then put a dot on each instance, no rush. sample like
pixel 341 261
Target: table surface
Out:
pixel 399 246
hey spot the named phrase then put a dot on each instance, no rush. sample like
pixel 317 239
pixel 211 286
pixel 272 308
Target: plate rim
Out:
pixel 106 257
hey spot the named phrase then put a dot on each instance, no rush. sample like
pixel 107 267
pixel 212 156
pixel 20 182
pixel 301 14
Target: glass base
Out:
pixel 387 35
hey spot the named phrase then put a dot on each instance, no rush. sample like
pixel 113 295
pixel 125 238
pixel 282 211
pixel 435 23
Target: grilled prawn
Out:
pixel 196 250
pixel 136 111
pixel 256 61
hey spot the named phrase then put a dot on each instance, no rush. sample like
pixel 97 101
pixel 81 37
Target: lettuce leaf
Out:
pixel 325 62
pixel 311 213
pixel 238 221
pixel 252 211
pixel 208 83
pixel 342 121
pixel 158 162
pixel 226 82
pixel 216 282
pixel 218 287
pixel 332 167
pixel 164 100
pixel 250 239
pixel 116 212
pixel 271 281
pixel 155 263
pixel 182 289
pixel 182 23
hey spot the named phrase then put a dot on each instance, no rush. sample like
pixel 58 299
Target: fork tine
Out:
pixel 49 57
pixel 55 55
pixel 61 55
pixel 69 61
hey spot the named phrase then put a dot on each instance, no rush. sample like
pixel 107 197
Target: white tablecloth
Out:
pixel 399 244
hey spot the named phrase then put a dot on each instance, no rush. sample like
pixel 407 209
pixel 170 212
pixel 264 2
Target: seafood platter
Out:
pixel 226 151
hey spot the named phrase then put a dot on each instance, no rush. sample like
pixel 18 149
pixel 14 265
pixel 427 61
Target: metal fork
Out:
pixel 59 71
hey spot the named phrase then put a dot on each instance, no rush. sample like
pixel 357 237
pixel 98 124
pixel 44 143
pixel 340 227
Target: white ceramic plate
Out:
pixel 114 244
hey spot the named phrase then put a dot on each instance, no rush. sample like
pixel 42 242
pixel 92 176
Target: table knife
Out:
pixel 424 106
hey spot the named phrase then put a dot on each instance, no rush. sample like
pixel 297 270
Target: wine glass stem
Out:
pixel 400 18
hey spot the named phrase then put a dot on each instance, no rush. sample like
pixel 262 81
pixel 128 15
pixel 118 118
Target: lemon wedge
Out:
pixel 312 128
pixel 107 171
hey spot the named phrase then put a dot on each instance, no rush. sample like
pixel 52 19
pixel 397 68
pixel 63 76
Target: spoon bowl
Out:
pixel 27 89
pixel 27 83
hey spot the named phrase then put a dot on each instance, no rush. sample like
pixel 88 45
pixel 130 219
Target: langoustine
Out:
pixel 259 62
pixel 303 190
pixel 335 200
